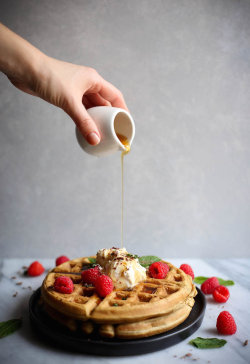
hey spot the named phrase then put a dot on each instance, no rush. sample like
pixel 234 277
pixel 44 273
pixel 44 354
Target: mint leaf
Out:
pixel 225 283
pixel 146 260
pixel 10 326
pixel 201 279
pixel 207 343
pixel 92 260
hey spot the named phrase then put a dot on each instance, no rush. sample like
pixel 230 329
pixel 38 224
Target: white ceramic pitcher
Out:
pixel 110 121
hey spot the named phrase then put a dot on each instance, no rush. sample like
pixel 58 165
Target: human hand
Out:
pixel 71 87
pixel 74 89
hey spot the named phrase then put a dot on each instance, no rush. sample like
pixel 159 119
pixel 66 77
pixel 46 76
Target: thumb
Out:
pixel 85 123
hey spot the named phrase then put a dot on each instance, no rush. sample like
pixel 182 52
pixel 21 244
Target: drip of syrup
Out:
pixel 126 144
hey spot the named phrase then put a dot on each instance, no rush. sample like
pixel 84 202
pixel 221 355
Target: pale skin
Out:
pixel 71 87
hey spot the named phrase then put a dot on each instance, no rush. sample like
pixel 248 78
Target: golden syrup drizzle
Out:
pixel 126 144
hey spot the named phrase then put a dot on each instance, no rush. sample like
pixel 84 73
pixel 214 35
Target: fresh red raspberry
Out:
pixel 103 285
pixel 158 270
pixel 221 294
pixel 89 276
pixel 226 324
pixel 35 269
pixel 63 284
pixel 187 269
pixel 62 259
pixel 209 285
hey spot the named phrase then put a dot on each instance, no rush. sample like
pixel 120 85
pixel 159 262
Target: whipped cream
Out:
pixel 104 256
pixel 124 270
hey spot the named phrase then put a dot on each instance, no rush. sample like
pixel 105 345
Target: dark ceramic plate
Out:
pixel 75 341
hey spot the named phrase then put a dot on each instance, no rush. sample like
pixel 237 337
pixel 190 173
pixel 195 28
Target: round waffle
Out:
pixel 132 330
pixel 149 299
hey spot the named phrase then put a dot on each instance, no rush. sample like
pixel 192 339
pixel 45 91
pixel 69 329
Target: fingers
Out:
pixel 112 94
pixel 85 123
pixel 86 102
pixel 96 92
pixel 105 90
pixel 91 100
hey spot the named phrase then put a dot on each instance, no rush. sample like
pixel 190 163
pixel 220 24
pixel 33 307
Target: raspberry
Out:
pixel 209 285
pixel 63 284
pixel 221 294
pixel 187 269
pixel 158 270
pixel 35 269
pixel 103 285
pixel 90 275
pixel 226 324
pixel 62 259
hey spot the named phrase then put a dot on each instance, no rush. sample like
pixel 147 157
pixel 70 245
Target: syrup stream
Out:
pixel 126 144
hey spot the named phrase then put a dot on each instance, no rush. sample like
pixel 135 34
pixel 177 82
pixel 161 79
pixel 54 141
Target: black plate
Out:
pixel 97 345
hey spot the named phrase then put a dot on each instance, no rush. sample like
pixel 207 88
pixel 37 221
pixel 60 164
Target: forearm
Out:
pixel 18 58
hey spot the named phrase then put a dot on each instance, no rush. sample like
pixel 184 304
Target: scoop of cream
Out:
pixel 124 270
pixel 104 256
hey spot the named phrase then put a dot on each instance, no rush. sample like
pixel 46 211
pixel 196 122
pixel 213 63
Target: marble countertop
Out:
pixel 24 346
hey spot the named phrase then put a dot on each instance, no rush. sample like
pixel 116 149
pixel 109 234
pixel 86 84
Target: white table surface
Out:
pixel 24 347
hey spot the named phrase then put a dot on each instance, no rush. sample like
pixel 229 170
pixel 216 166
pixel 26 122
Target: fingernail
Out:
pixel 93 138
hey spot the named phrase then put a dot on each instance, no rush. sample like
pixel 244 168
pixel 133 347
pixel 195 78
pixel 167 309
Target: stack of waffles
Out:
pixel 149 308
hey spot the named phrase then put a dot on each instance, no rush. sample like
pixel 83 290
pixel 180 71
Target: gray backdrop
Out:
pixel 184 69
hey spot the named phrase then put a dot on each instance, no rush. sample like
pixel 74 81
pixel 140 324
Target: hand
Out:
pixel 74 89
pixel 71 87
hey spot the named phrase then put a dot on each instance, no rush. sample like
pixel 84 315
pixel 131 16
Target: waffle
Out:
pixel 133 330
pixel 149 299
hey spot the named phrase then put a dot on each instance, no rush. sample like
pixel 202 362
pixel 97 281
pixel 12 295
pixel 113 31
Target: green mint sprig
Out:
pixel 9 327
pixel 207 343
pixel 201 279
pixel 147 260
pixel 92 260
